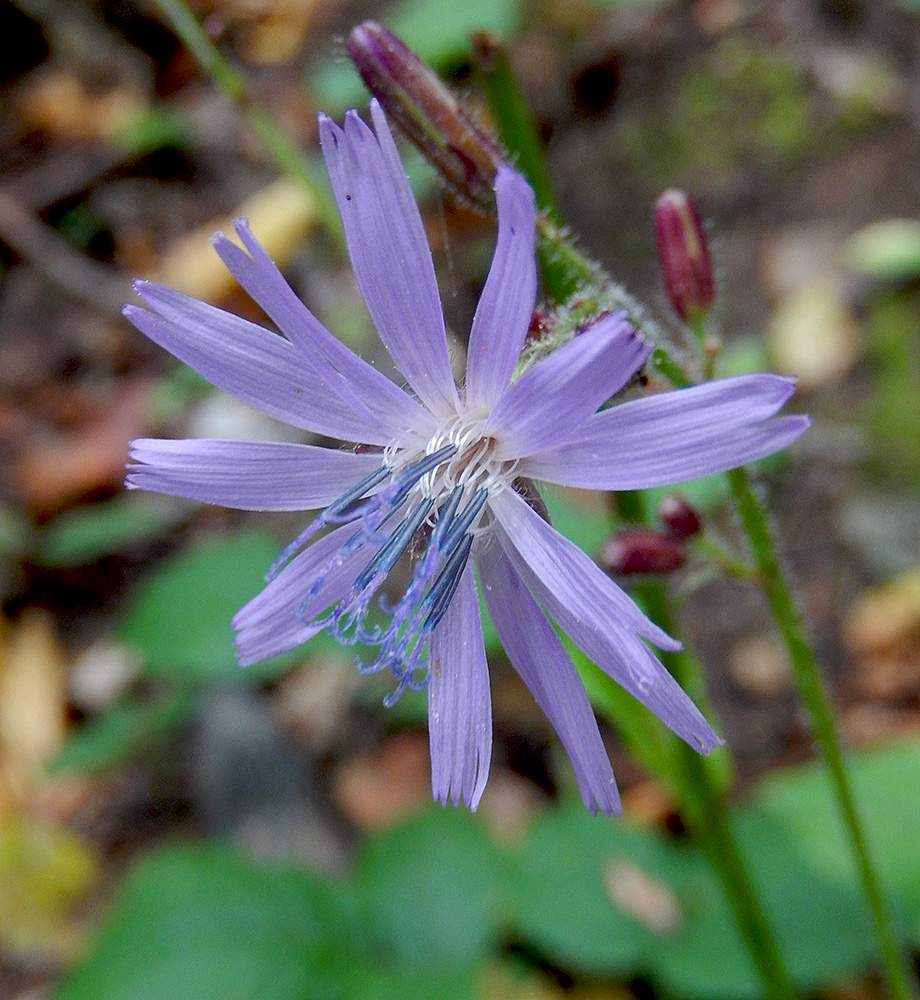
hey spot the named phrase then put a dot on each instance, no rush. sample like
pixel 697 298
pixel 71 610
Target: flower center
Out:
pixel 431 503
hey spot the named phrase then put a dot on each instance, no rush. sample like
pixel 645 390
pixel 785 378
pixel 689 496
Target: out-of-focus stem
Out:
pixel 276 141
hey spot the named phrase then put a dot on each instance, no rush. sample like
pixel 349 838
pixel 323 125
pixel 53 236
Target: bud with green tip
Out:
pixel 684 255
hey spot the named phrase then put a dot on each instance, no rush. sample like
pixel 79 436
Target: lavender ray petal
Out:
pixel 247 475
pixel 278 618
pixel 254 365
pixel 390 253
pixel 540 658
pixel 625 658
pixel 506 305
pixel 551 400
pixel 675 436
pixel 578 582
pixel 459 701
pixel 368 391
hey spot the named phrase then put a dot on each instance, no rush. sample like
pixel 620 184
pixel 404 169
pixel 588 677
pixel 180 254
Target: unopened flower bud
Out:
pixel 642 550
pixel 679 517
pixel 429 115
pixel 684 255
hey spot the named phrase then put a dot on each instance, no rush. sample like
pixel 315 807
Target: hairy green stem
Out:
pixel 702 798
pixel 814 694
pixel 808 677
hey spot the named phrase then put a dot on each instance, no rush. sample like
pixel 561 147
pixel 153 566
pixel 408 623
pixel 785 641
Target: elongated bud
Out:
pixel 679 517
pixel 426 111
pixel 642 550
pixel 684 255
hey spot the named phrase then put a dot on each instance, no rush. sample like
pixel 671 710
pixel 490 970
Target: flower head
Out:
pixel 448 477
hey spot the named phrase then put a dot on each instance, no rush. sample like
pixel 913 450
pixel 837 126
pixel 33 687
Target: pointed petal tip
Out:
pixel 707 742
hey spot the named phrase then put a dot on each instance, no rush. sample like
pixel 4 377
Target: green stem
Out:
pixel 512 116
pixel 701 796
pixel 814 694
pixel 277 143
pixel 808 678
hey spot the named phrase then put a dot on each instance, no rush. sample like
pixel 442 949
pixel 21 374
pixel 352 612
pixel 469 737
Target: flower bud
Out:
pixel 684 255
pixel 679 517
pixel 642 550
pixel 428 114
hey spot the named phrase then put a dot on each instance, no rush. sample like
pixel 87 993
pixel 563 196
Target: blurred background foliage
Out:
pixel 173 826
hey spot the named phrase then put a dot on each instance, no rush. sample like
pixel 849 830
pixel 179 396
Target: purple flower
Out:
pixel 447 476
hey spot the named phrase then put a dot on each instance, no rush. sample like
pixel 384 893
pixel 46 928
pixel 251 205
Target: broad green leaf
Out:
pixel 206 923
pixel 84 534
pixel 887 792
pixel 428 891
pixel 419 981
pixel 821 925
pixel 179 621
pixel 791 838
pixel 562 901
pixel 122 733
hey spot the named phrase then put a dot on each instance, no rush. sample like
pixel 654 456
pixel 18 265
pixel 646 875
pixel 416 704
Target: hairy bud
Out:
pixel 684 255
pixel 425 110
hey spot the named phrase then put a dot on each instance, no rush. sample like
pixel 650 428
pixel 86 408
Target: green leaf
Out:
pixel 86 533
pixel 821 925
pixel 889 250
pixel 582 517
pixel 152 128
pixel 437 30
pixel 422 981
pixel 122 733
pixel 561 903
pixel 205 923
pixel 428 891
pixel 791 838
pixel 888 798
pixel 179 622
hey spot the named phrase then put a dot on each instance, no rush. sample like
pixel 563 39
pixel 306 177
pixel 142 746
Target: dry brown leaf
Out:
pixel 760 666
pixel 280 215
pixel 59 469
pixel 379 788
pixel 59 102
pixel 648 803
pixel 885 616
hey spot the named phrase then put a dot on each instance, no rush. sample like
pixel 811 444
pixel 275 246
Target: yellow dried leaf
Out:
pixel 44 871
pixel 33 701
pixel 280 215
pixel 642 897
pixel 813 334
pixel 884 616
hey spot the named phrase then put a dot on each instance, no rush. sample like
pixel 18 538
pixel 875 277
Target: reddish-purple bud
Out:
pixel 428 114
pixel 684 255
pixel 679 517
pixel 642 550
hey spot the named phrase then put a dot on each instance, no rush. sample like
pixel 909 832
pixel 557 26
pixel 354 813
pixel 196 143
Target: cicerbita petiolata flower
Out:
pixel 446 474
